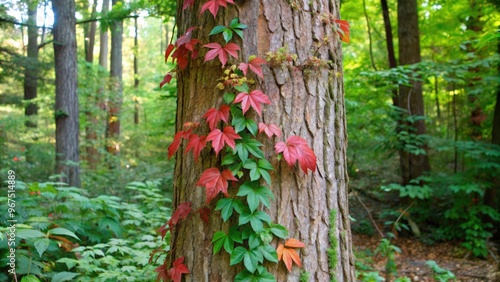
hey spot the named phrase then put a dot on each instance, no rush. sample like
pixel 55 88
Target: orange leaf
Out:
pixel 289 256
pixel 294 243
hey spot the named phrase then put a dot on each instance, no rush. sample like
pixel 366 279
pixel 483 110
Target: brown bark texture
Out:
pixel 31 67
pixel 306 101
pixel 66 107
pixel 390 45
pixel 410 97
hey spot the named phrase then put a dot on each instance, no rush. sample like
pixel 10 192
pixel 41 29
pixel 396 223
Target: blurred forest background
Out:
pixel 422 92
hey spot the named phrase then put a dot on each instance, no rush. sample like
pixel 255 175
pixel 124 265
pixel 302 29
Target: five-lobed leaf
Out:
pixel 220 138
pixel 217 50
pixel 178 269
pixel 196 143
pixel 269 129
pixel 288 254
pixel 215 181
pixel 213 116
pixel 214 5
pixel 255 65
pixel 296 149
pixel 253 99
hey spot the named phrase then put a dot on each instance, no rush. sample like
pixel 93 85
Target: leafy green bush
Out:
pixel 62 234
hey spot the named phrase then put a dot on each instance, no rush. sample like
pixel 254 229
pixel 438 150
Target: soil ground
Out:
pixel 411 262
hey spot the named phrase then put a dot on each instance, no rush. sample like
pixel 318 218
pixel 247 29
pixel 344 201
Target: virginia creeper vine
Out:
pixel 234 135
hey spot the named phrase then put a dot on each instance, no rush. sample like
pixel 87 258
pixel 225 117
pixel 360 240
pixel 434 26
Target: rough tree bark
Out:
pixel 31 67
pixel 116 96
pixel 410 97
pixel 66 108
pixel 306 101
pixel 390 46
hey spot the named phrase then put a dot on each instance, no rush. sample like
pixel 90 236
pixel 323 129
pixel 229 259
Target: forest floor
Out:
pixel 411 262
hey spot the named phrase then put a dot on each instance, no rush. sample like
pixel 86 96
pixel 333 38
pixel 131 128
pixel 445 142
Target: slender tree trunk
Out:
pixel 92 101
pixel 116 97
pixel 410 98
pixel 103 39
pixel 305 102
pixel 66 107
pixel 31 67
pixel 136 71
pixel 390 45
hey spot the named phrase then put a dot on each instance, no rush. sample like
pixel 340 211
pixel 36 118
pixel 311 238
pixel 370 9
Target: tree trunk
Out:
pixel 92 101
pixel 306 101
pixel 115 101
pixel 103 39
pixel 31 67
pixel 66 107
pixel 390 46
pixel 136 71
pixel 410 97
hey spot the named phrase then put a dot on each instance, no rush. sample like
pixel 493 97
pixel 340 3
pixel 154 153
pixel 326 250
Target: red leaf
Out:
pixel 288 254
pixel 204 214
pixel 254 65
pixel 296 149
pixel 186 37
pixel 172 148
pixel 214 182
pixel 166 79
pixel 269 130
pixel 222 52
pixel 213 6
pixel 213 116
pixel 187 3
pixel 253 99
pixel 168 51
pixel 219 138
pixel 178 269
pixel 162 272
pixel 181 212
pixel 343 30
pixel 196 143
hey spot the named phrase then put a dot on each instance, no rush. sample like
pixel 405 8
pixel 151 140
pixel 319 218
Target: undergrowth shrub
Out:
pixel 62 234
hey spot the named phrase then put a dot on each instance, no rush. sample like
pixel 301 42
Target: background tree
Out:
pixel 411 101
pixel 307 101
pixel 66 106
pixel 116 72
pixel 31 66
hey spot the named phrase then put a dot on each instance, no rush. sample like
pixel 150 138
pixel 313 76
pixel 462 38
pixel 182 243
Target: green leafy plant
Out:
pixel 440 274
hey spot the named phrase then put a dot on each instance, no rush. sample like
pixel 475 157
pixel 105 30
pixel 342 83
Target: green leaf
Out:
pixel 228 34
pixel 229 97
pixel 269 253
pixel 255 220
pixel 255 194
pixel 227 205
pixel 246 276
pixel 29 233
pixel 41 245
pixel 63 231
pixel 218 29
pixel 253 241
pixel 278 230
pixel 242 88
pixel 64 276
pixel 237 255
pixel 30 278
pixel 220 239
pixel 70 263
pixel 228 159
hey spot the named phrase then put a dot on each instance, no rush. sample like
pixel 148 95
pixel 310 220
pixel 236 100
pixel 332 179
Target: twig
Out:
pixel 370 216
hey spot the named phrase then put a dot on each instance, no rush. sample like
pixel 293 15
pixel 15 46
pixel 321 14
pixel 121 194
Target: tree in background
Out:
pixel 116 70
pixel 66 106
pixel 307 100
pixel 31 66
pixel 410 97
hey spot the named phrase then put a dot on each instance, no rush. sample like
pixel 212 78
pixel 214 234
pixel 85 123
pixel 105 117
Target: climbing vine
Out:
pixel 233 134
